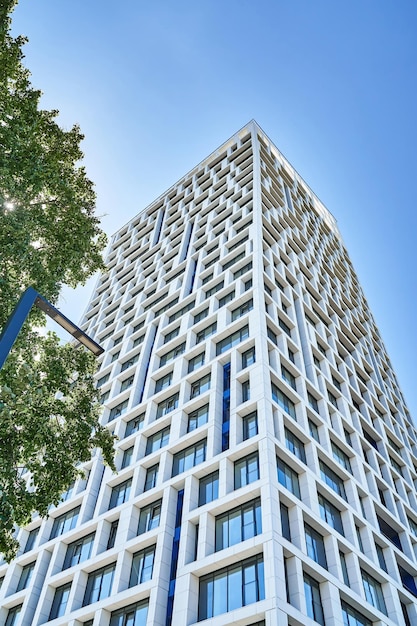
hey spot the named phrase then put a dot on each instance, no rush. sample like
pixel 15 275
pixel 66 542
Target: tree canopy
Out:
pixel 49 237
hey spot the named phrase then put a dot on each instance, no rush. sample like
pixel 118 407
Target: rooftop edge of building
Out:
pixel 255 129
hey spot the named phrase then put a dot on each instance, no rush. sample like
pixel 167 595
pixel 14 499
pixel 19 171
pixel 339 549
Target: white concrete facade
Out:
pixel 239 266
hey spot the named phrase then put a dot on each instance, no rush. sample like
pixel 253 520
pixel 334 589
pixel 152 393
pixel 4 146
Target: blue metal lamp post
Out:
pixel 15 322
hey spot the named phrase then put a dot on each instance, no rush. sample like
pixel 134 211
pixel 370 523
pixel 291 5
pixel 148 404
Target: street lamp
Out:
pixel 16 320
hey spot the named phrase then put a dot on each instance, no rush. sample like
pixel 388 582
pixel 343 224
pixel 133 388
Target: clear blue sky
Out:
pixel 157 85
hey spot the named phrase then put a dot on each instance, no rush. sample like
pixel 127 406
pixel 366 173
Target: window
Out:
pixel 341 457
pixel 99 584
pixel 196 362
pixel 112 534
pixel 248 357
pixel 157 440
pixel 206 332
pixel 235 259
pixel 13 616
pixel 343 565
pixel 118 410
pixel 245 391
pixel 347 437
pixel 149 517
pixel 313 402
pixel 283 401
pixel 30 542
pixel 370 439
pixel 242 310
pixel 212 261
pixel 227 298
pixel 315 546
pixel 396 466
pixel 120 493
pixel 295 445
pixel 127 457
pixel 64 522
pixel 288 377
pixel 214 289
pixel 413 526
pixel 332 399
pixel 239 524
pixel 373 592
pixel 288 478
pixel 138 326
pixel 191 456
pixel 200 386
pixel 332 480
pixel 200 316
pixel 285 521
pixel 238 243
pixel 234 339
pixel 115 356
pixel 104 396
pixel 163 382
pixel 321 348
pixel 151 477
pixel 100 382
pixel 60 601
pixel 231 588
pixel 314 431
pixel 25 576
pixel 197 418
pixel 330 514
pixel 165 307
pixel 172 354
pixel 128 382
pixel 132 615
pixel 313 599
pixel 181 312
pixel 381 558
pixel 78 551
pixel 359 538
pixel 166 406
pixel 138 341
pixel 208 489
pixel 171 335
pixel 284 327
pixel 134 359
pixel 406 616
pixel 242 270
pixel 336 383
pixel 246 470
pixel 250 425
pixel 134 424
pixel 142 566
pixel 352 617
pixel 272 336
pixel 394 445
pixel 407 580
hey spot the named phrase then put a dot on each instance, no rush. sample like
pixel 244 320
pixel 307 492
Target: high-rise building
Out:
pixel 267 465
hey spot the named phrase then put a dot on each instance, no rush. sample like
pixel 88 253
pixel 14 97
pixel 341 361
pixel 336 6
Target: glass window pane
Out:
pixel 250 585
pixel 235 529
pixel 208 488
pixel 133 615
pixel 234 589
pixel 219 595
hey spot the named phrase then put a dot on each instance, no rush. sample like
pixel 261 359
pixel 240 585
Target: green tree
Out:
pixel 49 237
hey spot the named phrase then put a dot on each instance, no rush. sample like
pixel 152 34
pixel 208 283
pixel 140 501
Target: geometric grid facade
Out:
pixel 267 464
